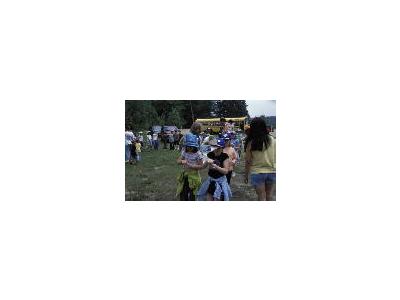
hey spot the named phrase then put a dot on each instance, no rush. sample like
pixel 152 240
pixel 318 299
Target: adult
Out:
pixel 170 138
pixel 149 139
pixel 129 137
pixel 176 139
pixel 260 159
pixel 155 141
pixel 141 139
pixel 164 139
pixel 229 126
pixel 222 126
pixel 180 142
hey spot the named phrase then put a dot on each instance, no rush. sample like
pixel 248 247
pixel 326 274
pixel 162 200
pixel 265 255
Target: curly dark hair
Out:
pixel 258 135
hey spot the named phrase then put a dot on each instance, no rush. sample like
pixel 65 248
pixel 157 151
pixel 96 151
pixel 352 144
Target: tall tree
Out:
pixel 145 113
pixel 200 108
pixel 140 114
pixel 231 108
pixel 174 118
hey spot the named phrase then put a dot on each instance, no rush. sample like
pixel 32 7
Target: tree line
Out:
pixel 142 114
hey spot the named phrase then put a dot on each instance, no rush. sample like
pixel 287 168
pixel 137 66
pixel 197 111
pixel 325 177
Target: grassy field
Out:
pixel 154 178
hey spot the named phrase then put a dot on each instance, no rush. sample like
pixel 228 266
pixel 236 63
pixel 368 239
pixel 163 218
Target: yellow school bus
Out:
pixel 215 124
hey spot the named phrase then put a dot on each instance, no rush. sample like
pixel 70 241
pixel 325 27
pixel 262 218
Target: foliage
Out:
pixel 174 118
pixel 142 114
pixel 230 108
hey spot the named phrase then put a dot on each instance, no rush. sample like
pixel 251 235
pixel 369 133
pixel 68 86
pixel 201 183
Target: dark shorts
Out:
pixel 262 178
pixel 211 189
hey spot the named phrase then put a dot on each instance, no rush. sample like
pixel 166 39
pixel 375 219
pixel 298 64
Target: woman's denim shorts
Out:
pixel 262 178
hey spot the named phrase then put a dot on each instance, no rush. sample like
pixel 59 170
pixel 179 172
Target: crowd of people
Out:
pixel 136 142
pixel 133 146
pixel 220 154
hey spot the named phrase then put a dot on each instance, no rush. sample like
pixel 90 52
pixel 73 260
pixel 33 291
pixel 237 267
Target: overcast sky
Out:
pixel 257 108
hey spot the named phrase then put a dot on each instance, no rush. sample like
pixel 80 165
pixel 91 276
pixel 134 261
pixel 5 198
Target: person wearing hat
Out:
pixel 195 130
pixel 189 179
pixel 216 186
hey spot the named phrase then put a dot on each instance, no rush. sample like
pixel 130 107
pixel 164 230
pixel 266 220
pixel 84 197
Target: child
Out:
pixel 216 187
pixel 232 156
pixel 138 147
pixel 189 180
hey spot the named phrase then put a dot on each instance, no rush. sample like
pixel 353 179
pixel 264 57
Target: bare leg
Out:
pixel 210 197
pixel 269 189
pixel 260 190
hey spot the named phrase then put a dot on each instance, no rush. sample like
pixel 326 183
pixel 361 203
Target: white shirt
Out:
pixel 129 137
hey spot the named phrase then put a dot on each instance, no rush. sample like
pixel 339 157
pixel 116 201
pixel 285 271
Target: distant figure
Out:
pixel 176 139
pixel 149 139
pixel 138 147
pixel 164 139
pixel 129 137
pixel 229 126
pixel 222 125
pixel 260 153
pixel 170 138
pixel 141 139
pixel 181 141
pixel 155 141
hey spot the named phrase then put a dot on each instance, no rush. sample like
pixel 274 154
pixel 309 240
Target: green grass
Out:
pixel 154 178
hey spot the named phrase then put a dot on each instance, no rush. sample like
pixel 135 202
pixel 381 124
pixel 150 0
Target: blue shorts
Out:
pixel 262 178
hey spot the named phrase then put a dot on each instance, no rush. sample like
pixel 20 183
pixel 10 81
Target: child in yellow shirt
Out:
pixel 138 148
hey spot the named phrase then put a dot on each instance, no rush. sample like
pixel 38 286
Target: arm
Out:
pixel 181 161
pixel 225 169
pixel 198 166
pixel 207 162
pixel 234 159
